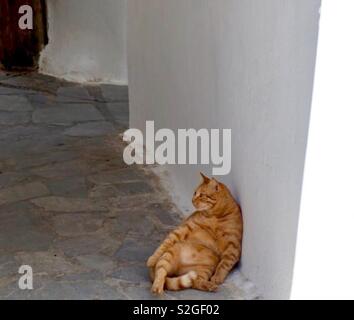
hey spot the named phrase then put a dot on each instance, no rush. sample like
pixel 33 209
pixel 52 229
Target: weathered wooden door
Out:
pixel 20 48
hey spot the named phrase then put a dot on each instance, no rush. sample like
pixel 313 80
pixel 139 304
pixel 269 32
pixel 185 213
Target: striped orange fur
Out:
pixel 201 252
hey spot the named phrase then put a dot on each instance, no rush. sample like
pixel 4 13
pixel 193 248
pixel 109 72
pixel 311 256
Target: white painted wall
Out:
pixel 324 261
pixel 241 64
pixel 87 40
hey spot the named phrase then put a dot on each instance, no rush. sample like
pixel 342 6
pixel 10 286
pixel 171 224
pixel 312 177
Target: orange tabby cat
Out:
pixel 200 253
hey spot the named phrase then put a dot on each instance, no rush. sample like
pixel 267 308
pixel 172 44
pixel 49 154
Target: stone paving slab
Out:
pixel 69 205
pixel 66 114
pixel 15 103
pixel 120 111
pixel 14 118
pixel 112 93
pixel 21 230
pixel 93 129
pixel 74 93
pixel 72 187
pixel 23 192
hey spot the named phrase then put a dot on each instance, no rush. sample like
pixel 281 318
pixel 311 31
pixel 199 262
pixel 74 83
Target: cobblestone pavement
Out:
pixel 69 206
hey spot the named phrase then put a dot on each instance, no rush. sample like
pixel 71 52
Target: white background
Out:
pixel 324 266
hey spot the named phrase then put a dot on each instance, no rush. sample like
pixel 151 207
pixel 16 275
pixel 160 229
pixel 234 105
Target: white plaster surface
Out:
pixel 87 41
pixel 246 65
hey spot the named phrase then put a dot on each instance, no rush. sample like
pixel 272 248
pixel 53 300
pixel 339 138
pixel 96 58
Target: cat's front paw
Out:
pixel 157 288
pixel 151 263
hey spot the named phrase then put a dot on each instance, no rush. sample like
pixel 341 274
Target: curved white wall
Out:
pixel 241 64
pixel 87 41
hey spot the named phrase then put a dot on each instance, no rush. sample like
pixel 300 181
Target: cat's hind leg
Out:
pixel 198 279
pixel 166 265
pixel 152 274
pixel 202 281
pixel 184 281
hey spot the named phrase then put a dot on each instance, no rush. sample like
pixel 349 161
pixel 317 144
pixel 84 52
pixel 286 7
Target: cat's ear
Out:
pixel 205 178
pixel 215 184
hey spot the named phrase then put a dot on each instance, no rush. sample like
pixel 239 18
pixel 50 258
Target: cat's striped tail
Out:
pixel 182 282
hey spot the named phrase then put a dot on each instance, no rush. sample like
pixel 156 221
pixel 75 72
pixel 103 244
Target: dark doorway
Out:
pixel 20 49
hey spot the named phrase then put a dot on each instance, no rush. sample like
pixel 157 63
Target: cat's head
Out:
pixel 209 194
